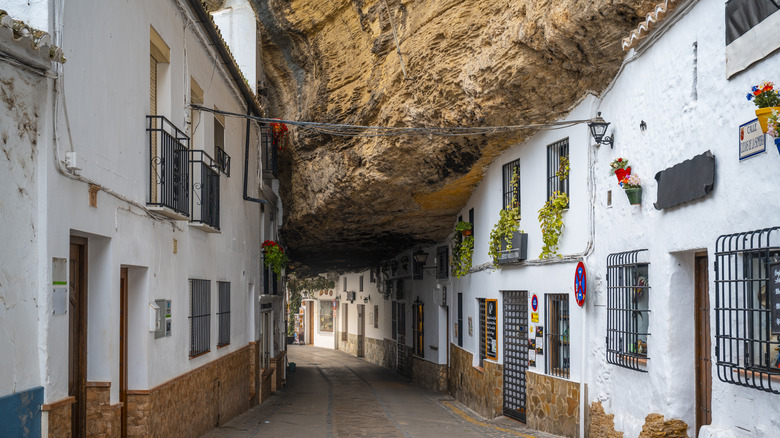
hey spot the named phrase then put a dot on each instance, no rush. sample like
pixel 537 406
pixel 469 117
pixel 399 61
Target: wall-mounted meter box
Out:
pixel 154 317
pixel 167 318
pixel 160 323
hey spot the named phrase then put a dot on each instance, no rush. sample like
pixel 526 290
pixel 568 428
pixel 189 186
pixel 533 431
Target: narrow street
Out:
pixel 333 394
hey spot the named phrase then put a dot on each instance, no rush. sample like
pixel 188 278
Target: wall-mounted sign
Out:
pixel 580 284
pixel 752 140
pixel 534 317
pixel 774 296
pixel 684 182
pixel 491 340
pixel 535 303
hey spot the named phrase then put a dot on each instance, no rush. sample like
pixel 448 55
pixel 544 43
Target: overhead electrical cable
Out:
pixel 346 130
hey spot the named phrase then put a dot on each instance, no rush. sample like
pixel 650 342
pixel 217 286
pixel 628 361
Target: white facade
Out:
pixel 92 111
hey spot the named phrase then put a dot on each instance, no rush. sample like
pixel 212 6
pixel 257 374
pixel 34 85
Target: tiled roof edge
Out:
pixel 655 16
pixel 34 43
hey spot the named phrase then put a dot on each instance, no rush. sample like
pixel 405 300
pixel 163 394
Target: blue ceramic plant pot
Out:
pixel 777 143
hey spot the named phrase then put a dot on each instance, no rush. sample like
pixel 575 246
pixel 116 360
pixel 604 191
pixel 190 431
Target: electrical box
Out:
pixel 160 326
pixel 167 318
pixel 154 317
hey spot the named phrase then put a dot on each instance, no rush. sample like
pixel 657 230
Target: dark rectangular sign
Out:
pixel 684 182
pixel 491 341
pixel 774 296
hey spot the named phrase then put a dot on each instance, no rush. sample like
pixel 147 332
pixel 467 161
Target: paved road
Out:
pixel 332 394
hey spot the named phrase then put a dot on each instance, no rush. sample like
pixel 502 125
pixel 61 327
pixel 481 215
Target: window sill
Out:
pixel 200 354
pixel 223 345
pixel 480 369
pixel 757 375
pixel 204 227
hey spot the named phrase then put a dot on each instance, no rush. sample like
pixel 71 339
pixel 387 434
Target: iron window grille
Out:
pixel 200 317
pixel 459 328
pixel 169 151
pixel 555 152
pixel 394 327
pixel 419 348
pixel 360 284
pixel 223 313
pixel 401 319
pixel 482 337
pixel 511 191
pixel 747 307
pixel 345 323
pixel 442 262
pixel 205 185
pixel 222 160
pixel 270 153
pixel 376 316
pixel 557 337
pixel 628 312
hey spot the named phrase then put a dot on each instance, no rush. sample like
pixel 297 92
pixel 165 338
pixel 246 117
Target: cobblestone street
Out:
pixel 332 394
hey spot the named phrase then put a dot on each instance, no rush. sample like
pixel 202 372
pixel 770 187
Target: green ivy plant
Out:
pixel 508 223
pixel 461 256
pixel 551 214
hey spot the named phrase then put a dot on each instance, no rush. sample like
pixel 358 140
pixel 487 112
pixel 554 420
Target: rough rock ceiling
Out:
pixel 349 202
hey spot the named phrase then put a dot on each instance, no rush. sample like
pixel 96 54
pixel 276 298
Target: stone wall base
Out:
pixel 57 417
pixel 103 419
pixel 429 375
pixel 479 389
pixel 553 404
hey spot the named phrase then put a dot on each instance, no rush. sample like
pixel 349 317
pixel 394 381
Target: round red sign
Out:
pixel 580 284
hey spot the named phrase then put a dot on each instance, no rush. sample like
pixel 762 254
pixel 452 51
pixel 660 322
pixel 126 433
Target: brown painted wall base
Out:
pixel 479 389
pixel 267 375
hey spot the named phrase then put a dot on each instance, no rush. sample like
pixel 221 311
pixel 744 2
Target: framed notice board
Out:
pixel 491 341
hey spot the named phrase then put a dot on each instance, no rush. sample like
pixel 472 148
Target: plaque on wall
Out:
pixel 684 182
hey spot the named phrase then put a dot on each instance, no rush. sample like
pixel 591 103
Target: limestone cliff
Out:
pixel 351 201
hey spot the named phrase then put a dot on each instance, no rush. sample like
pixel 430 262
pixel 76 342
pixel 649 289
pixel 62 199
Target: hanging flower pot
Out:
pixel 622 173
pixel 763 115
pixel 634 196
pixel 466 232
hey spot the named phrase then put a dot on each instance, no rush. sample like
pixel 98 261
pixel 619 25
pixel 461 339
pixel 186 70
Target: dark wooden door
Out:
pixel 77 335
pixel 703 345
pixel 361 335
pixel 123 348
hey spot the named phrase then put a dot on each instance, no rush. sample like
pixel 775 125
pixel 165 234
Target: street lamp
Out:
pixel 598 127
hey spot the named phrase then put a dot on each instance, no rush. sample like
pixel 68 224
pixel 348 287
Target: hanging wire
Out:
pixel 345 130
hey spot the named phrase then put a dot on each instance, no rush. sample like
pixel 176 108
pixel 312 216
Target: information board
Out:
pixel 491 341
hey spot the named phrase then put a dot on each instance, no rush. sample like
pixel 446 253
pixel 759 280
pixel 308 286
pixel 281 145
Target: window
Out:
pixel 401 306
pixel 200 317
pixel 326 316
pixel 511 184
pixel 471 221
pixel 394 328
pixel 361 283
pixel 482 334
pixel 223 313
pixel 196 98
pixel 558 358
pixel 221 157
pixel 376 316
pixel 747 309
pixel 628 313
pixel 459 325
pixel 419 347
pixel 748 21
pixel 345 284
pixel 345 323
pixel 442 262
pixel 556 152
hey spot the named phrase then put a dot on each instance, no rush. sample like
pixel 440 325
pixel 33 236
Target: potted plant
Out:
pixel 274 256
pixel 505 234
pixel 620 168
pixel 461 255
pixel 773 127
pixel 633 188
pixel 464 228
pixel 278 134
pixel 766 99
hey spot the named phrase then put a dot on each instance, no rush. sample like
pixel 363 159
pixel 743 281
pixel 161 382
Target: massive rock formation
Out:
pixel 351 201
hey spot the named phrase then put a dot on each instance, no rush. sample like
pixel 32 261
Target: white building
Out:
pixel 136 221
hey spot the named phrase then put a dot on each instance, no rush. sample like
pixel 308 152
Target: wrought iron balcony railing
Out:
pixel 270 154
pixel 169 185
pixel 205 187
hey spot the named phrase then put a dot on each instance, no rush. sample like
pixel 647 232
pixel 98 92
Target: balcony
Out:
pixel 270 155
pixel 169 184
pixel 205 188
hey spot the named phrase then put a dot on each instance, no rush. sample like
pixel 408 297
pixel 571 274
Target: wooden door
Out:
pixel 703 345
pixel 515 353
pixel 77 335
pixel 123 349
pixel 311 323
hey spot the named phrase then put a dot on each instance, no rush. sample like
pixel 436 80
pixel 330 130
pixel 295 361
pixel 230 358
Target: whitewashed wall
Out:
pixel 678 87
pixel 25 280
pixel 106 91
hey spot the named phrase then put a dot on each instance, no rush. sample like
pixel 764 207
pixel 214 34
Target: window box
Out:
pixel 519 251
